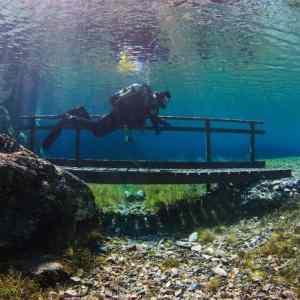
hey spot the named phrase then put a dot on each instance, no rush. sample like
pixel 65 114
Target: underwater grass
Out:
pixel 285 162
pixel 14 286
pixel 108 197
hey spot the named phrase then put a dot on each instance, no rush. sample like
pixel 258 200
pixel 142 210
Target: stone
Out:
pixel 297 228
pixel 49 273
pixel 41 205
pixel 127 194
pixel 70 293
pixel 92 297
pixel 140 194
pixel 196 248
pixel 209 251
pixel 131 247
pixel 220 253
pixel 219 271
pixel 193 237
pixel 207 257
pixel 194 286
pixel 287 294
pixel 75 279
pixel 183 244
pixel 175 272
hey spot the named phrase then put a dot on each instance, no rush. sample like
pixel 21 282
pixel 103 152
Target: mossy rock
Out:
pixel 40 204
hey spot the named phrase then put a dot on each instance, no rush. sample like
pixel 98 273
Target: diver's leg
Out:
pixel 78 112
pixel 72 118
pixel 105 125
pixel 53 135
pixel 155 122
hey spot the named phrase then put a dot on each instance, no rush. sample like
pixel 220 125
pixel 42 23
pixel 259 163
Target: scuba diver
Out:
pixel 131 107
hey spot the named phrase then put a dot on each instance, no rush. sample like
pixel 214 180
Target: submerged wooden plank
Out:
pixel 174 176
pixel 156 164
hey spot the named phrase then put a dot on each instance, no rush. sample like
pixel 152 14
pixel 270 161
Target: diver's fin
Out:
pixel 52 137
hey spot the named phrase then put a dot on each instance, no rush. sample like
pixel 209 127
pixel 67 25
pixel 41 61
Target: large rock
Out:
pixel 49 273
pixel 272 193
pixel 39 202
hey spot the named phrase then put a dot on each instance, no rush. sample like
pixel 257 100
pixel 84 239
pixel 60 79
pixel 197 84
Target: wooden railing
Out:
pixel 207 128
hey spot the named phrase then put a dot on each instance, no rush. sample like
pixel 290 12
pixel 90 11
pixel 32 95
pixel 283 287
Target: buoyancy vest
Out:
pixel 132 103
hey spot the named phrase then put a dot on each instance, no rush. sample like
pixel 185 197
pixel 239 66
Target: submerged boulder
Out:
pixel 271 193
pixel 40 203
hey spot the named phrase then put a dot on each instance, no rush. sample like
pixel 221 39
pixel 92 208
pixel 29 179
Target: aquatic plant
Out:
pixel 277 260
pixel 206 236
pixel 213 284
pixel 14 286
pixel 107 197
pixel 231 238
pixel 281 244
pixel 220 229
pixel 169 263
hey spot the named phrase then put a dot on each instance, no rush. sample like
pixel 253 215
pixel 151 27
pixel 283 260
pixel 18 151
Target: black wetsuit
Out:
pixel 131 107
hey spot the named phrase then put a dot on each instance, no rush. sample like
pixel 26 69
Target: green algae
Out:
pixel 110 197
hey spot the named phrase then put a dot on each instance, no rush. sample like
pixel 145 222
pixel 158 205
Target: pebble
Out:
pixel 219 271
pixel 76 279
pixel 288 294
pixel 270 191
pixel 193 237
pixel 197 248
pixel 194 286
pixel 183 244
pixel 220 253
pixel 209 251
pixel 207 257
pixel 70 293
pixel 175 272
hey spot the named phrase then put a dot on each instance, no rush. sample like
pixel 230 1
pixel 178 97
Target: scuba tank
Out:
pixel 129 106
pixel 129 94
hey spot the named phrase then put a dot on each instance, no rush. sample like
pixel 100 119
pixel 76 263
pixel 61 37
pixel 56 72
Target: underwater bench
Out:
pixel 169 172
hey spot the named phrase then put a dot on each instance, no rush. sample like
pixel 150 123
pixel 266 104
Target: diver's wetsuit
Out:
pixel 130 108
